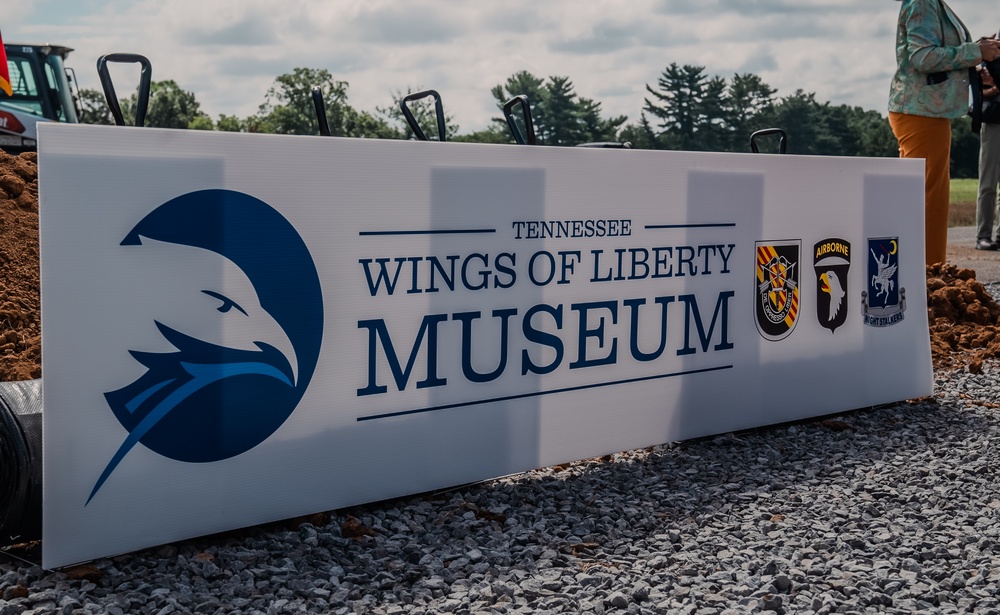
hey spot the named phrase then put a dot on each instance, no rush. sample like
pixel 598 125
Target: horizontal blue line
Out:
pixel 720 224
pixel 540 393
pixel 441 232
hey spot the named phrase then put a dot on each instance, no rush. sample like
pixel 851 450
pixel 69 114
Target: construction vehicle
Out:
pixel 44 91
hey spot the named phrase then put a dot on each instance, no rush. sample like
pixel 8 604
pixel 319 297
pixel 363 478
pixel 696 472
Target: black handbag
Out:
pixel 993 67
pixel 988 108
pixel 991 111
pixel 976 108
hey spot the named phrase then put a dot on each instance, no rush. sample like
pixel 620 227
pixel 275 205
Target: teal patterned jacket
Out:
pixel 932 45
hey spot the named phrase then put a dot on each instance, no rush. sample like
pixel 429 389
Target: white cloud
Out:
pixel 228 52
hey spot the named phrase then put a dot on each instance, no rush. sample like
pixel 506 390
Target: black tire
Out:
pixel 20 461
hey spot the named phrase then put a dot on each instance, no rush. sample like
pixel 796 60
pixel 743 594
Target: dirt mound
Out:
pixel 964 318
pixel 20 307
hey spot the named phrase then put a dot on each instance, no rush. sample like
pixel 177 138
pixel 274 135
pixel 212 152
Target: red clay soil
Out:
pixel 964 318
pixel 20 307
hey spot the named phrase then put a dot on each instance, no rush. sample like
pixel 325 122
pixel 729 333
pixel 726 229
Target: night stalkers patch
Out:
pixel 884 302
pixel 777 289
pixel 832 260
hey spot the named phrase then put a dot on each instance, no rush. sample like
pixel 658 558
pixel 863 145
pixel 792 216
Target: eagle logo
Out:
pixel 832 261
pixel 777 288
pixel 238 305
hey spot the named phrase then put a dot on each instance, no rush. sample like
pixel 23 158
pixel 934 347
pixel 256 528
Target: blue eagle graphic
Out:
pixel 239 306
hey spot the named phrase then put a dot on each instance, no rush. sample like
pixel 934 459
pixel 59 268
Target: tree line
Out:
pixel 686 109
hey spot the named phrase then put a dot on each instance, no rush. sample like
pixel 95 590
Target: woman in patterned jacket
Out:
pixel 931 86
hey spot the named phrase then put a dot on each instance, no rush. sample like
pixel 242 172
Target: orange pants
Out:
pixel 929 138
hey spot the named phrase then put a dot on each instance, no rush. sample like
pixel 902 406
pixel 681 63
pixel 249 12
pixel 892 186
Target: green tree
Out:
pixel 677 104
pixel 853 131
pixel 563 124
pixel 696 112
pixel 714 133
pixel 640 135
pixel 964 149
pixel 364 125
pixel 748 101
pixel 491 134
pixel 803 120
pixel 559 115
pixel 596 127
pixel 201 122
pixel 288 108
pixel 522 83
pixel 690 110
pixel 169 106
pixel 94 108
pixel 838 137
pixel 875 138
pixel 231 123
pixel 832 130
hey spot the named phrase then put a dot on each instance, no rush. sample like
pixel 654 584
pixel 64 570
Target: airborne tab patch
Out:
pixel 832 260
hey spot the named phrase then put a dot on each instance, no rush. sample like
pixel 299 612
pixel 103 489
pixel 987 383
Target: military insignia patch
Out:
pixel 776 292
pixel 832 260
pixel 884 302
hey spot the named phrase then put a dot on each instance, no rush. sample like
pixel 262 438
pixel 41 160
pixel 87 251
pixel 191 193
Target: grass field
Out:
pixel 963 202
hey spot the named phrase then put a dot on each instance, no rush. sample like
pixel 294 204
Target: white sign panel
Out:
pixel 244 328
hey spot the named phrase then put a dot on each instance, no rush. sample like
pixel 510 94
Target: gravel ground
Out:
pixel 891 509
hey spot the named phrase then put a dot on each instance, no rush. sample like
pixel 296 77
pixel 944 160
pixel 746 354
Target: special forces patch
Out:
pixel 832 260
pixel 777 288
pixel 884 302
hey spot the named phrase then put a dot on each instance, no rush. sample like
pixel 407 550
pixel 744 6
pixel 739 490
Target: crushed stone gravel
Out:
pixel 891 509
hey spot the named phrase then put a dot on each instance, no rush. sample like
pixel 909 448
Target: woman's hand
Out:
pixel 990 89
pixel 989 48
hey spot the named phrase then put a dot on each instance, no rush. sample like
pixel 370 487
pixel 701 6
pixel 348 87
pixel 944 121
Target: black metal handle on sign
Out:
pixel 782 143
pixel 412 121
pixel 607 144
pixel 324 124
pixel 145 78
pixel 529 125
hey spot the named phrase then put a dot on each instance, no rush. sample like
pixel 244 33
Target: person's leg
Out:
pixel 929 138
pixel 989 172
pixel 989 177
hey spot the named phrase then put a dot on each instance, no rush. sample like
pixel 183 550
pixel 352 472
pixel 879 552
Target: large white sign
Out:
pixel 243 328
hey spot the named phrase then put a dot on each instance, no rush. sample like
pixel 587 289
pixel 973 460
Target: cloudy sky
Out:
pixel 228 52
